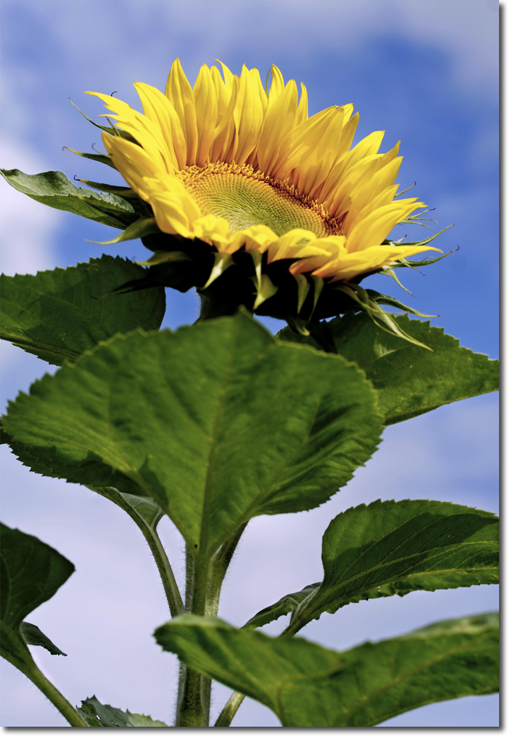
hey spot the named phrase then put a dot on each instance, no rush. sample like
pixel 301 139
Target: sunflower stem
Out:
pixel 230 709
pixel 61 703
pixel 149 531
pixel 203 590
pixel 190 711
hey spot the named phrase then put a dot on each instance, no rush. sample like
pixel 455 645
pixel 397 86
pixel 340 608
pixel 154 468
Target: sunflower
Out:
pixel 246 173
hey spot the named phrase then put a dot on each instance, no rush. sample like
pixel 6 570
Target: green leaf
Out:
pixel 288 604
pixel 98 715
pixel 307 685
pixel 54 189
pixel 59 314
pixel 33 635
pixel 393 548
pixel 409 380
pixel 31 573
pixel 217 423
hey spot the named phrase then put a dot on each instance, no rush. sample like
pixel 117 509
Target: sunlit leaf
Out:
pixel 54 189
pixel 393 548
pixel 217 423
pixel 409 380
pixel 99 715
pixel 307 685
pixel 59 314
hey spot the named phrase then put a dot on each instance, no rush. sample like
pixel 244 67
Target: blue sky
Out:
pixel 426 73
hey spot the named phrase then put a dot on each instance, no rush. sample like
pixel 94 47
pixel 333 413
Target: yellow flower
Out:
pixel 237 167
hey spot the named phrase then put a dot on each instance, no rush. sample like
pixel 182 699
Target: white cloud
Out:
pixel 466 30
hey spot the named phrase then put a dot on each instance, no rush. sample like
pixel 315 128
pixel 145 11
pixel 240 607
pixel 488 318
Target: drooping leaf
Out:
pixel 288 604
pixel 409 380
pixel 31 572
pixel 307 685
pixel 59 314
pixel 54 189
pixel 33 635
pixel 217 423
pixel 393 548
pixel 99 715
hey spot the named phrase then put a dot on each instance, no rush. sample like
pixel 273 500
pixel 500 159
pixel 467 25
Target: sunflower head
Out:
pixel 253 201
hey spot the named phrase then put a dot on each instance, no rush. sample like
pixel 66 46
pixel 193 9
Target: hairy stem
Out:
pixel 149 531
pixel 193 703
pixel 55 696
pixel 230 709
pixel 217 572
pixel 203 590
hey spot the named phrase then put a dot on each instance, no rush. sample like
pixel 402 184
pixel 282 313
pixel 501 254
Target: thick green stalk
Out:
pixel 203 591
pixel 191 710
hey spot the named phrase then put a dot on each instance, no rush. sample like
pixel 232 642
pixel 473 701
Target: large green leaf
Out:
pixel 99 715
pixel 307 685
pixel 217 423
pixel 392 548
pixel 30 574
pixel 142 510
pixel 54 189
pixel 409 380
pixel 59 314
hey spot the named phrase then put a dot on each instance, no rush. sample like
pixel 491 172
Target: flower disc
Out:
pixel 248 198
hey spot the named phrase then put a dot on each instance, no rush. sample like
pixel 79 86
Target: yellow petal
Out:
pixel 373 229
pixel 179 92
pixel 206 114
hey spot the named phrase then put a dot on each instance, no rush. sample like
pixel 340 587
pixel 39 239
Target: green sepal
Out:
pixel 415 264
pixel 222 261
pixel 390 301
pixel 415 218
pixel 420 243
pixel 303 288
pixel 263 284
pixel 165 256
pixel 142 227
pixel 97 157
pixel 109 129
pixel 370 302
